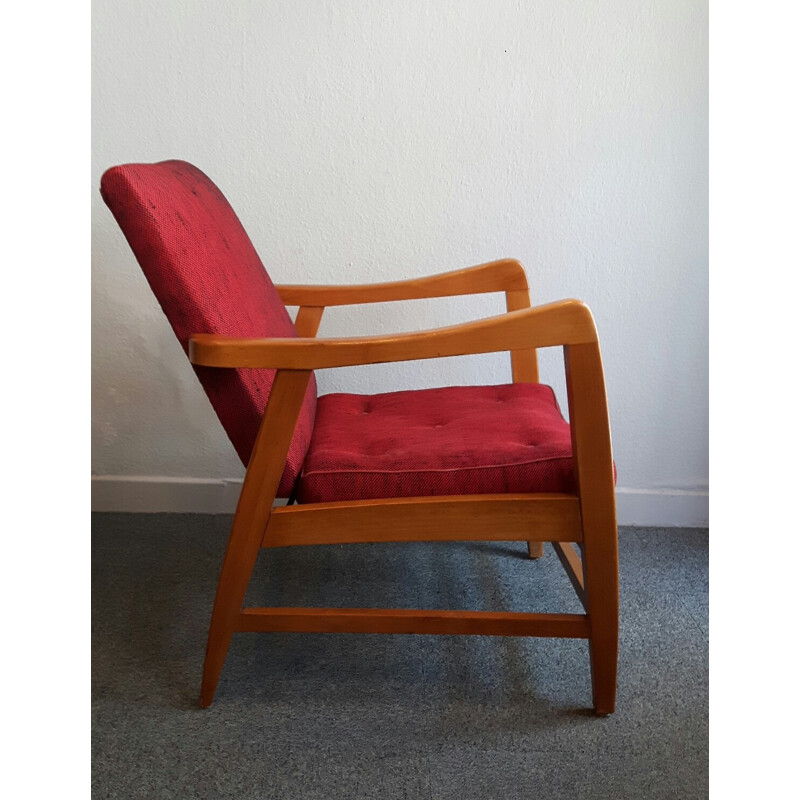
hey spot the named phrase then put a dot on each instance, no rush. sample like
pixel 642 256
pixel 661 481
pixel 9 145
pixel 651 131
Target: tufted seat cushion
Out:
pixel 456 440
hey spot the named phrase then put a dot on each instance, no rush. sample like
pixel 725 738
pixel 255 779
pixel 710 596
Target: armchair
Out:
pixel 522 474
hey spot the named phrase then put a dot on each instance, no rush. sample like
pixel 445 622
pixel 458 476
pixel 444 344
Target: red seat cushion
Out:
pixel 208 278
pixel 457 440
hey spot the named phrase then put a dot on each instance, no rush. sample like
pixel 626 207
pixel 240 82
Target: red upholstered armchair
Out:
pixel 458 463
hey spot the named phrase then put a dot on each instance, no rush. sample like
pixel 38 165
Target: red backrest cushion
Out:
pixel 208 278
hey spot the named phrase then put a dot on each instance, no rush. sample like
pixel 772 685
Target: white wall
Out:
pixel 367 141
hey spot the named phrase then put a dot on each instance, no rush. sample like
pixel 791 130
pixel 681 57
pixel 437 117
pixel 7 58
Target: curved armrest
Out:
pixel 563 323
pixel 495 276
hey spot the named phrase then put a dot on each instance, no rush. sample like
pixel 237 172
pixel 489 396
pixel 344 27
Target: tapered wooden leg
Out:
pixel 591 448
pixel 240 558
pixel 601 571
pixel 535 549
pixel 252 516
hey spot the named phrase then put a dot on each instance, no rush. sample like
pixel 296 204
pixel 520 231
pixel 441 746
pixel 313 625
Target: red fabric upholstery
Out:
pixel 457 440
pixel 208 278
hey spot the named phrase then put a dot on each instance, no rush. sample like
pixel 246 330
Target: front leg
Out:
pixel 252 516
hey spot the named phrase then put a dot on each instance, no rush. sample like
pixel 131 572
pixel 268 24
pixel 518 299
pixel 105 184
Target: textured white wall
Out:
pixel 367 141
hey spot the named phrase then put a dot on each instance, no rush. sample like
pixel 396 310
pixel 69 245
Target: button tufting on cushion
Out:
pixel 455 440
pixel 208 278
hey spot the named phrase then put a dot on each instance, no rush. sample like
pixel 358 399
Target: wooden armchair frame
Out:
pixel 586 519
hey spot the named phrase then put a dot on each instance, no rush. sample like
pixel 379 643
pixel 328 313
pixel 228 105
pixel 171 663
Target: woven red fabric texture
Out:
pixel 208 278
pixel 457 440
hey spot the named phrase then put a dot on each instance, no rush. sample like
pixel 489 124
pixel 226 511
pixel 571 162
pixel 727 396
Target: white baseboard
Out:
pixel 156 493
pixel 662 508
pixel 134 493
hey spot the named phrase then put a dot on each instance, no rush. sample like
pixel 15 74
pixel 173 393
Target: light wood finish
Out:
pixel 524 364
pixel 591 447
pixel 524 369
pixel 535 547
pixel 588 518
pixel 494 517
pixel 400 620
pixel 566 322
pixel 495 276
pixel 252 515
pixel 483 278
pixel 573 566
pixel 307 321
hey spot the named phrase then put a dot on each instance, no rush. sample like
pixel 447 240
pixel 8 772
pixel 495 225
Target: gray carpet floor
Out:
pixel 345 716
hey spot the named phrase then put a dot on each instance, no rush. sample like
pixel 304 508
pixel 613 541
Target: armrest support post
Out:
pixel 307 321
pixel 524 363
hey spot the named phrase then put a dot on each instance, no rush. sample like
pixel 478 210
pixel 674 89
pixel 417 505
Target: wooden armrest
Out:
pixel 563 323
pixel 495 276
